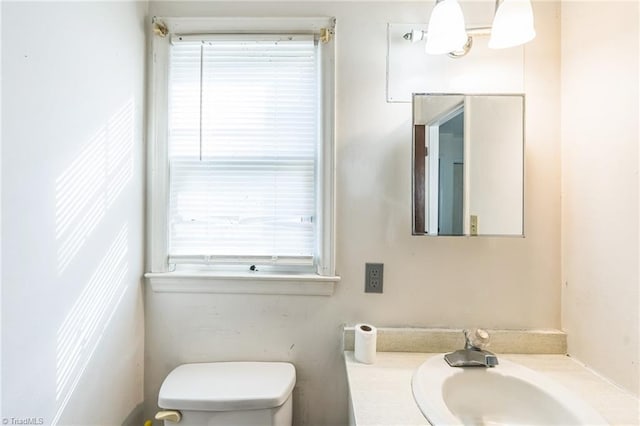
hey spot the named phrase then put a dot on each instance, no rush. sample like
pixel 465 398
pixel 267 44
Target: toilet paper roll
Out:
pixel 365 343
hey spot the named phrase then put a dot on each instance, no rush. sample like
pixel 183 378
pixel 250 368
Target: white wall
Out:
pixel 600 114
pixel 495 145
pixel 451 282
pixel 72 210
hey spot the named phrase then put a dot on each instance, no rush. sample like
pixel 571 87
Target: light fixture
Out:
pixel 446 31
pixel 512 24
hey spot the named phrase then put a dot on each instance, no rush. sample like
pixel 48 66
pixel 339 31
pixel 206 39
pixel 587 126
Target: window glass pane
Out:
pixel 243 123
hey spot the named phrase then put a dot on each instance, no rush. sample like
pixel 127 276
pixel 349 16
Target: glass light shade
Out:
pixel 446 32
pixel 512 25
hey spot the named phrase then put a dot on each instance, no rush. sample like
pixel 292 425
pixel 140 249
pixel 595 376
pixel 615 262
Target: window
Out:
pixel 243 138
pixel 241 147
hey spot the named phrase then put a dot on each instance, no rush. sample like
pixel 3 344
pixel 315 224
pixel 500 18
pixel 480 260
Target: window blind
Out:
pixel 243 141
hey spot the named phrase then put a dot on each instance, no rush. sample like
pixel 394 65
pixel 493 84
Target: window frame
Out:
pixel 232 280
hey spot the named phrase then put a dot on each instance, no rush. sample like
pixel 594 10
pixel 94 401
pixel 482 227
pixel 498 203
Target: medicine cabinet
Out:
pixel 468 165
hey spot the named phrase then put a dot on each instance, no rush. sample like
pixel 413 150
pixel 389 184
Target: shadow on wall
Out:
pixel 85 192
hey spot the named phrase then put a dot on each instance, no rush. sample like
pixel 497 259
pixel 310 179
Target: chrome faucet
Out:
pixel 474 353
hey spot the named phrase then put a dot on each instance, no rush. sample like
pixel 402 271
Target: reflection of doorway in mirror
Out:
pixel 450 168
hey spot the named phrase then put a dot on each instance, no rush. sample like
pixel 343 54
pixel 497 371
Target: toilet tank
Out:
pixel 230 394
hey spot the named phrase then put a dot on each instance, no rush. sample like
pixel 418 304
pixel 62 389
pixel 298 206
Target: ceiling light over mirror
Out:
pixel 446 31
pixel 512 24
pixel 447 34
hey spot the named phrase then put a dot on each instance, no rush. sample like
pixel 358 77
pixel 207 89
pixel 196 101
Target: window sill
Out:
pixel 200 282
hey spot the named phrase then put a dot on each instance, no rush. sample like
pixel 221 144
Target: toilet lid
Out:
pixel 227 386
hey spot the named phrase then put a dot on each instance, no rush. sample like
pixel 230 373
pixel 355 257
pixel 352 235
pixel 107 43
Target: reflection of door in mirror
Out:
pixel 446 160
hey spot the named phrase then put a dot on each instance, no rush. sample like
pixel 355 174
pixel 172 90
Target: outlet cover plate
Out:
pixel 374 273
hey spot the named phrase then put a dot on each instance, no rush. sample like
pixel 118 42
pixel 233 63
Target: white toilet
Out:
pixel 228 393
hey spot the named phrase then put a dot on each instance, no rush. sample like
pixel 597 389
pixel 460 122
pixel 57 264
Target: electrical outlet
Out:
pixel 474 225
pixel 373 277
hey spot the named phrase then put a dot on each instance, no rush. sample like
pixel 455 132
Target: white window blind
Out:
pixel 243 149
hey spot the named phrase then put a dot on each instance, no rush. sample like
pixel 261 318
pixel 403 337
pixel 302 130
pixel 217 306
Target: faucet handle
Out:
pixel 476 338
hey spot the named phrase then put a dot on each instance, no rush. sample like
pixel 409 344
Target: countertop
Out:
pixel 381 393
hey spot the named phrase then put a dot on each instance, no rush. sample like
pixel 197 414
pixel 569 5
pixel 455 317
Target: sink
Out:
pixel 508 394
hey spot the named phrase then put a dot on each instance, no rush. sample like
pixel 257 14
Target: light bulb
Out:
pixel 512 25
pixel 446 32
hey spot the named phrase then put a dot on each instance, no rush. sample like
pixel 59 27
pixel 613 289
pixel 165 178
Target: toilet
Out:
pixel 228 393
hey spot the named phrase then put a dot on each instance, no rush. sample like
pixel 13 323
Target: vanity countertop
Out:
pixel 381 393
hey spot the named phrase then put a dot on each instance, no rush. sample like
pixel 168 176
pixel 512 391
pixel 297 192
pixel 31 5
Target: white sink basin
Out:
pixel 508 394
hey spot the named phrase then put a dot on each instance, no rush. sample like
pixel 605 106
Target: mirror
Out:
pixel 468 164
